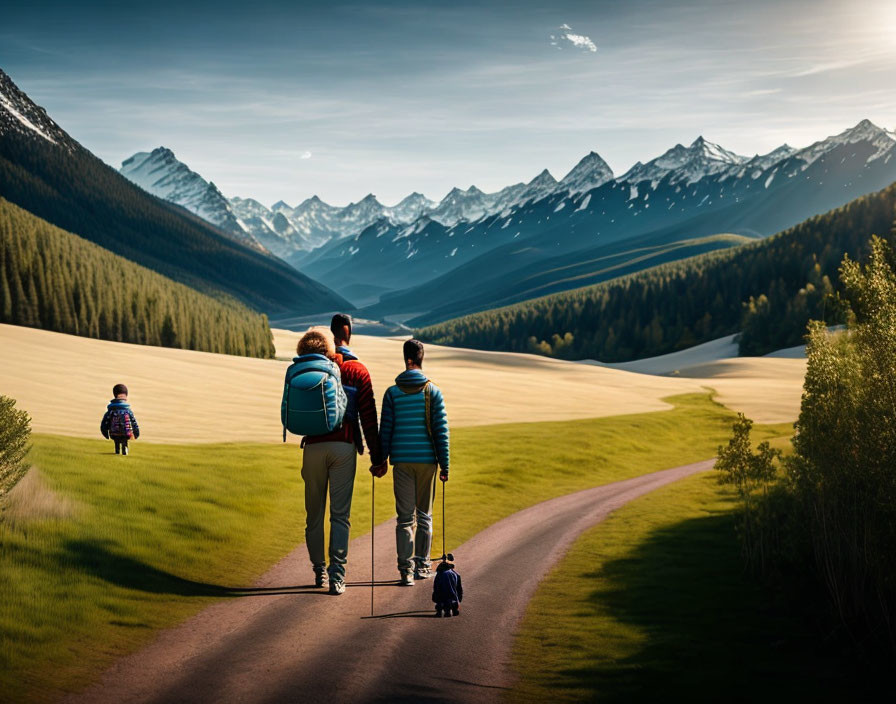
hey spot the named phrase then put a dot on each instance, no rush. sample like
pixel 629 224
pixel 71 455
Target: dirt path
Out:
pixel 285 643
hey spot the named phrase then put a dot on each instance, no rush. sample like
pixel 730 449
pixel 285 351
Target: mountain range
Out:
pixel 290 232
pixel 677 204
pixel 422 261
pixel 47 173
pixel 425 261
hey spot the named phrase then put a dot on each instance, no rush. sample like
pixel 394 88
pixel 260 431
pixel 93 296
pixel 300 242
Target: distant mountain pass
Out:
pixel 540 279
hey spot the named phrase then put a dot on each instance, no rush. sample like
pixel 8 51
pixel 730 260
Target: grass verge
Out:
pixel 653 605
pixel 145 542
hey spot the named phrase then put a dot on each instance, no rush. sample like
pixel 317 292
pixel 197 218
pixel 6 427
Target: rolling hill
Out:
pixel 46 172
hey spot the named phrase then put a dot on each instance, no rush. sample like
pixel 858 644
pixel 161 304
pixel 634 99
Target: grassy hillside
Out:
pixel 93 559
pixel 653 604
pixel 52 279
pixel 66 185
pixel 678 305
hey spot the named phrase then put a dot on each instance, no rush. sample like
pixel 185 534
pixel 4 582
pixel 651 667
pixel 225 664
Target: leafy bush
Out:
pixel 839 487
pixel 752 474
pixel 15 431
pixel 844 469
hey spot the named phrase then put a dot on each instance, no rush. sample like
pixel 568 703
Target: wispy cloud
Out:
pixel 579 41
pixel 305 155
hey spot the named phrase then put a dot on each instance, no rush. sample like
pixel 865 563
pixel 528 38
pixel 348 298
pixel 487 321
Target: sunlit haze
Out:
pixel 286 100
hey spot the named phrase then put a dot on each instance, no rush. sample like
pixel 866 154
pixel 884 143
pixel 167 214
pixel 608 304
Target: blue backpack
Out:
pixel 313 398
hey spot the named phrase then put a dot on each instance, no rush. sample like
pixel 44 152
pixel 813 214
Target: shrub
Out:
pixel 15 430
pixel 752 474
pixel 844 470
pixel 834 509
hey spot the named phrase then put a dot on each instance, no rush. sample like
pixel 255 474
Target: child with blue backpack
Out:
pixel 119 423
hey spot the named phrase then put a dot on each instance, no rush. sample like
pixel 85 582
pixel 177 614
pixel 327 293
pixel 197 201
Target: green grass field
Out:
pixel 141 543
pixel 653 605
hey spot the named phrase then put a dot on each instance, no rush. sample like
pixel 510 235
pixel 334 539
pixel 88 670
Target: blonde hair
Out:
pixel 317 341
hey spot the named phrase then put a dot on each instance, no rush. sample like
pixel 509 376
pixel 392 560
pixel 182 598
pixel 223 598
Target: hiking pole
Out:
pixel 444 552
pixel 372 528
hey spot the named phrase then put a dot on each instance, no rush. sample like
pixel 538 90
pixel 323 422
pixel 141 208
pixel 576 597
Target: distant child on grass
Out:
pixel 119 422
pixel 447 590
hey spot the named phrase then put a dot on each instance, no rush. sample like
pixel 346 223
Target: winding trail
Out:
pixel 286 643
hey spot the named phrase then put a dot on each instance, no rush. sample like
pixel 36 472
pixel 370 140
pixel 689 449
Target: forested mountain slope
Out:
pixel 45 171
pixel 52 279
pixel 769 289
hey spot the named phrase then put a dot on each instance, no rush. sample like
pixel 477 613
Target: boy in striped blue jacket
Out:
pixel 414 437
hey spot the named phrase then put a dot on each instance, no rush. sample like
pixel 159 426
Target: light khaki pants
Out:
pixel 328 465
pixel 414 484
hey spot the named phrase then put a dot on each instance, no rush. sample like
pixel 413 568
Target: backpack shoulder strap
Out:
pixel 427 402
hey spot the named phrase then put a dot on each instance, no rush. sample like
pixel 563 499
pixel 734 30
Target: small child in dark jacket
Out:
pixel 447 590
pixel 119 422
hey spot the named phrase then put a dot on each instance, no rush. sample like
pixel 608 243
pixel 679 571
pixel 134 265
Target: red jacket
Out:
pixel 355 374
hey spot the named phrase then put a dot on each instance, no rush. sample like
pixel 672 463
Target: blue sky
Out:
pixel 286 100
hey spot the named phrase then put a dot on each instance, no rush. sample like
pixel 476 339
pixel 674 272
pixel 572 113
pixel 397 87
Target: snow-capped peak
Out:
pixel 882 141
pixel 866 130
pixel 592 171
pixel 542 185
pixel 409 208
pixel 689 164
pixel 18 113
pixel 702 148
pixel 764 161
pixel 367 209
pixel 160 173
pixel 545 178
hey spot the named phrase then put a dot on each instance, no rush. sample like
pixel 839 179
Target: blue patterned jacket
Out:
pixel 404 436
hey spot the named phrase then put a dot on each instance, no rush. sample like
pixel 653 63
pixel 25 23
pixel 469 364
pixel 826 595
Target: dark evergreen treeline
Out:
pixel 52 279
pixel 769 289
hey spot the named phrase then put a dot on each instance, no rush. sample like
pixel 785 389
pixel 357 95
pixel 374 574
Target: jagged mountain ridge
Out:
pixel 290 232
pixel 557 242
pixel 534 226
pixel 316 223
pixel 159 172
pixel 46 172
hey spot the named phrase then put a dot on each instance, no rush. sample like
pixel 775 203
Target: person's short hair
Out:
pixel 413 351
pixel 119 389
pixel 339 321
pixel 316 342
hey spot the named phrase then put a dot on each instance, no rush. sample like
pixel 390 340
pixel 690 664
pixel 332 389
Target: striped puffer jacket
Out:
pixel 403 432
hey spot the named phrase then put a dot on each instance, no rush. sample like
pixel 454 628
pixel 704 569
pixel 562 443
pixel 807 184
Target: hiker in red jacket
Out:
pixel 332 462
